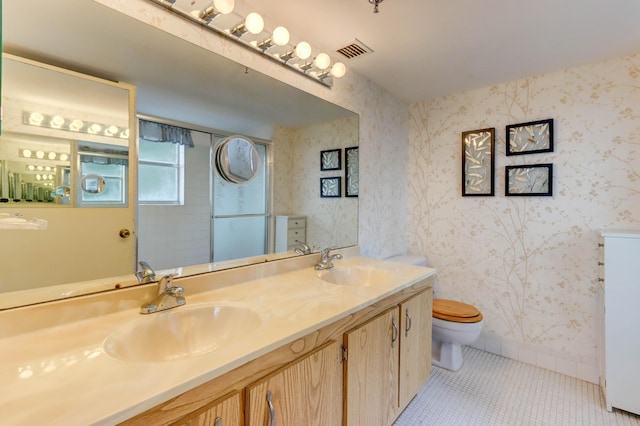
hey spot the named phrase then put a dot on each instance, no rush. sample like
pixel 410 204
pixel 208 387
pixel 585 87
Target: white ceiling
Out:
pixel 430 48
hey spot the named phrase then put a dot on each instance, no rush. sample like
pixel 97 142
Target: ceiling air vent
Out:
pixel 354 50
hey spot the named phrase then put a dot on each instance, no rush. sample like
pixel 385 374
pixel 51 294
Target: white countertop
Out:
pixel 61 375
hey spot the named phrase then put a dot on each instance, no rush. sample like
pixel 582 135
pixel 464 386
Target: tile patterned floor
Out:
pixel 490 390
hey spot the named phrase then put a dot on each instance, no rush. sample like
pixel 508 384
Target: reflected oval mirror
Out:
pixel 93 184
pixel 237 159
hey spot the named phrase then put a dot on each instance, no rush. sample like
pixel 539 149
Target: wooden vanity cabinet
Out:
pixel 388 359
pixel 223 412
pixel 360 370
pixel 307 392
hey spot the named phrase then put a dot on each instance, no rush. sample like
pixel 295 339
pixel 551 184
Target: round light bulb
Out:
pixel 57 121
pixel 40 154
pixel 95 128
pixel 338 69
pixel 76 125
pixel 303 50
pixel 47 168
pixel 38 177
pixel 254 23
pixel 26 153
pixel 50 177
pixel 35 118
pixel 31 167
pixel 40 168
pixel 280 36
pixel 64 157
pixel 322 61
pixel 51 156
pixel 224 6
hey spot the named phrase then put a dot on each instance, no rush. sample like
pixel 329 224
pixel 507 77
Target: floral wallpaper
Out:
pixel 330 221
pixel 530 263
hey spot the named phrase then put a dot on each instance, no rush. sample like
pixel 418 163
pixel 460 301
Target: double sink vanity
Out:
pixel 277 343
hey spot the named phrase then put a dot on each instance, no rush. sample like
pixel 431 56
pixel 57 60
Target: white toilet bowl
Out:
pixel 454 324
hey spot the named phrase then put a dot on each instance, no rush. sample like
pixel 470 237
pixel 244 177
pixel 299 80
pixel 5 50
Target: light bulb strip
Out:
pixel 38 119
pixel 324 77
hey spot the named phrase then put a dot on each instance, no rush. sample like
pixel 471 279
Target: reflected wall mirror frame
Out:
pixel 240 104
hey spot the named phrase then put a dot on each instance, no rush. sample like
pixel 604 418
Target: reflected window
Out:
pixel 161 173
pixel 107 164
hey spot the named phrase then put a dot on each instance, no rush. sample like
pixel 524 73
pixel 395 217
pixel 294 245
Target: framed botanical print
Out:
pixel 351 165
pixel 330 187
pixel 534 179
pixel 330 160
pixel 478 162
pixel 530 138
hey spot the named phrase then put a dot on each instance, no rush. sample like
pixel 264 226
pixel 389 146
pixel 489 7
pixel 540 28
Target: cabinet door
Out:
pixel 307 392
pixel 372 371
pixel 415 345
pixel 225 412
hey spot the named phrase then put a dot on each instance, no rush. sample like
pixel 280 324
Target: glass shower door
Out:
pixel 240 214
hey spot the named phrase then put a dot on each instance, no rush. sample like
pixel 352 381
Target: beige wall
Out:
pixel 530 263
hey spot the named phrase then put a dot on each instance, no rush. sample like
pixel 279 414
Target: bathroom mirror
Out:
pixel 178 81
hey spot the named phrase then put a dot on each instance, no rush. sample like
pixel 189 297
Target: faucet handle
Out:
pixel 166 282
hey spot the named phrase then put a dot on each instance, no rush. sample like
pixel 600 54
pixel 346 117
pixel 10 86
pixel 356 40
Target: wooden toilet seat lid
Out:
pixel 451 310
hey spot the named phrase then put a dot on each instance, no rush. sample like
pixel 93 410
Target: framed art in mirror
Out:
pixel 530 138
pixel 330 187
pixel 534 179
pixel 478 162
pixel 352 178
pixel 330 160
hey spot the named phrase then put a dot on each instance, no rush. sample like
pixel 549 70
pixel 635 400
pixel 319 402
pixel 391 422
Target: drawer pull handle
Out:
pixel 272 410
pixel 409 323
pixel 217 422
pixel 394 336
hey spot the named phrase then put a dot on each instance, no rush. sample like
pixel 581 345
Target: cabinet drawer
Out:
pixel 296 234
pixel 296 223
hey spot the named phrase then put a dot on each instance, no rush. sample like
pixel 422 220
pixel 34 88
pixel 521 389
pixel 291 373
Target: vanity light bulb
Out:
pixel 303 50
pixel 338 69
pixel 57 122
pixel 40 154
pixel 52 156
pixel 322 61
pixel 40 168
pixel 76 125
pixel 280 36
pixel 35 118
pixel 31 167
pixel 224 6
pixel 26 153
pixel 254 23
pixel 95 128
pixel 50 177
pixel 38 177
pixel 64 157
pixel 48 168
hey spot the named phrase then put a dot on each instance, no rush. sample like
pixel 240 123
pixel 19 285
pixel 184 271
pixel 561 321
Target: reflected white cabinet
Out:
pixel 619 339
pixel 289 230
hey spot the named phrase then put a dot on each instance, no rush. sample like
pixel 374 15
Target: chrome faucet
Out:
pixel 169 296
pixel 304 250
pixel 146 275
pixel 326 259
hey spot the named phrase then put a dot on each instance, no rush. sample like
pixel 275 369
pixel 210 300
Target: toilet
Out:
pixel 454 324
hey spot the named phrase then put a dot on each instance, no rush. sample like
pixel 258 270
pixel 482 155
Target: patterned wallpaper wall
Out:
pixel 530 263
pixel 296 152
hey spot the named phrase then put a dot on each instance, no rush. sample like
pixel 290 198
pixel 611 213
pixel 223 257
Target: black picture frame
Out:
pixel 533 137
pixel 478 162
pixel 330 159
pixel 529 180
pixel 331 187
pixel 352 172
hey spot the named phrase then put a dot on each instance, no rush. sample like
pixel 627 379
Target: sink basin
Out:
pixel 181 332
pixel 361 276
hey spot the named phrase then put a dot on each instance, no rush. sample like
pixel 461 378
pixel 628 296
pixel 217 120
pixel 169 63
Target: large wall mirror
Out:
pixel 179 84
